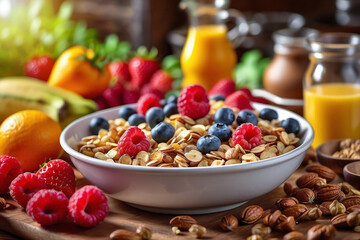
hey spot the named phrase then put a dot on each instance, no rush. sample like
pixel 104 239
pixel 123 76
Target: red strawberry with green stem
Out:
pixel 120 71
pixel 59 175
pixel 142 67
pixel 162 81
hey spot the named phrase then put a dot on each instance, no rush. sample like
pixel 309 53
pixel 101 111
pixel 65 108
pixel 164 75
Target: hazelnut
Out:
pixel 261 229
pixel 229 223
pixel 144 232
pixel 288 188
pixel 197 230
pixel 314 213
pixel 336 208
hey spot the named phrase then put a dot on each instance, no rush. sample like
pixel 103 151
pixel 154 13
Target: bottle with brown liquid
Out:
pixel 284 75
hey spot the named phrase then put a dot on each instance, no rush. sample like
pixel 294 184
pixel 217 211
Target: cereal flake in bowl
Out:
pixel 185 180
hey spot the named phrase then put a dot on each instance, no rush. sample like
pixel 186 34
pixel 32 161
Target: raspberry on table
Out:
pixel 88 206
pixel 193 102
pixel 24 186
pixel 146 102
pixel 247 135
pixel 9 169
pixel 48 207
pixel 132 142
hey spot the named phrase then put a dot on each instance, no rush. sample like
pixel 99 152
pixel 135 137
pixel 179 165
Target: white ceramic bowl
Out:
pixel 185 190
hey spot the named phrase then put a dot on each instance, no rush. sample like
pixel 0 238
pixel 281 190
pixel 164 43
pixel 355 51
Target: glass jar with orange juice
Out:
pixel 332 86
pixel 208 54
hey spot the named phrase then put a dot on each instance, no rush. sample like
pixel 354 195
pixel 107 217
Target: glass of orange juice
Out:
pixel 208 54
pixel 332 86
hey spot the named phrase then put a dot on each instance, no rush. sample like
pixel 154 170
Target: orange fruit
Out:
pixel 32 137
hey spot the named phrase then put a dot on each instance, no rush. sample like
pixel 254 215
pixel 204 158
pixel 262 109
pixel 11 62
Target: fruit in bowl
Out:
pixel 196 171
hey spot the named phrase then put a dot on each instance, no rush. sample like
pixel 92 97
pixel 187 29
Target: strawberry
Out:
pixel 120 71
pixel 162 81
pixel 147 88
pixel 130 96
pixel 39 67
pixel 224 87
pixel 252 98
pixel 142 67
pixel 58 175
pixel 238 99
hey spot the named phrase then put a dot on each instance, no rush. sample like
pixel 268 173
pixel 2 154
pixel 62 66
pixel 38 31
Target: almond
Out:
pixel 320 231
pixel 322 171
pixel 339 221
pixel 251 214
pixel 182 222
pixel 288 188
pixel 122 234
pixel 294 236
pixel 298 211
pixel 305 195
pixel 351 201
pixel 306 180
pixel 272 219
pixel 327 192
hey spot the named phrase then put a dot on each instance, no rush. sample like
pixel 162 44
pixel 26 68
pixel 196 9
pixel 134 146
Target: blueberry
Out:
pixel 224 115
pixel 163 102
pixel 217 97
pixel 170 109
pixel 208 143
pixel 162 132
pixel 154 115
pixel 290 125
pixel 125 112
pixel 172 99
pixel 246 116
pixel 136 119
pixel 98 123
pixel 220 130
pixel 268 114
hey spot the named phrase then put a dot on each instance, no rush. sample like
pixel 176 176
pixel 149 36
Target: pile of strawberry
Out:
pixel 142 75
pixel 234 98
pixel 49 195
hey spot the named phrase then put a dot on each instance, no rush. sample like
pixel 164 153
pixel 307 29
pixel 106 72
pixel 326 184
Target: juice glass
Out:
pixel 208 54
pixel 332 86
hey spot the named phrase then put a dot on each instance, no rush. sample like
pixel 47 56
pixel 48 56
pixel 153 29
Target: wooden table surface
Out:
pixel 14 220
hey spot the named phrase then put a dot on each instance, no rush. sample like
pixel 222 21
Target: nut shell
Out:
pixel 305 195
pixel 339 221
pixel 294 235
pixel 321 232
pixel 298 211
pixel 351 201
pixel 284 203
pixel 229 223
pixel 307 180
pixel 327 192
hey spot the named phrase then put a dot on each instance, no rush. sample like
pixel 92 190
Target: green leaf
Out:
pixel 65 11
pixel 170 62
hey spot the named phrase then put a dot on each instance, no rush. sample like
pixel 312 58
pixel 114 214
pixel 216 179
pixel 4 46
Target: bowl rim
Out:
pixel 307 141
pixel 330 157
pixel 347 171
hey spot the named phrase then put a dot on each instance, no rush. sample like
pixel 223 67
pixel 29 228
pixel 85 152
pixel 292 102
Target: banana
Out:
pixel 77 105
pixel 11 103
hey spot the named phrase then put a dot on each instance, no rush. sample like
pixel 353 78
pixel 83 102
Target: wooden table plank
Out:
pixel 14 220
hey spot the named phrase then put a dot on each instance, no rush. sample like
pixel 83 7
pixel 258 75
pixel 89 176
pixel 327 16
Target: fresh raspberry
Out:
pixel 120 71
pixel 193 102
pixel 24 186
pixel 148 89
pixel 88 206
pixel 58 175
pixel 112 97
pixel 162 81
pixel 224 87
pixel 238 99
pixel 39 67
pixel 48 207
pixel 9 169
pixel 247 135
pixel 132 142
pixel 146 102
pixel 130 96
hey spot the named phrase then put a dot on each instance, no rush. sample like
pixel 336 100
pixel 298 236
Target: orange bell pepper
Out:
pixel 79 70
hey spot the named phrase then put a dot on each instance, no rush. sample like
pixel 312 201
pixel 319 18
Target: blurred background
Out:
pixel 152 23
